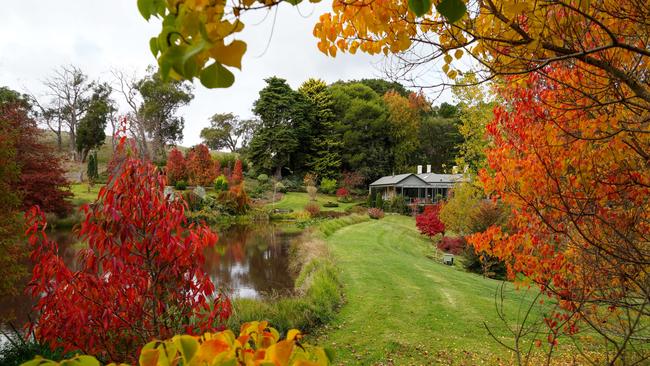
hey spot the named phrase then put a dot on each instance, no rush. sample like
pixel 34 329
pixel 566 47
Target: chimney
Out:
pixel 428 168
pixel 419 169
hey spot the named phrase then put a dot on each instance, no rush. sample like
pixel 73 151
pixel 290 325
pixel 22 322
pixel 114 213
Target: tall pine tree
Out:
pixel 324 159
pixel 282 130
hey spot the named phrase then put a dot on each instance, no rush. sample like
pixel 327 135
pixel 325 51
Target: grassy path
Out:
pixel 404 308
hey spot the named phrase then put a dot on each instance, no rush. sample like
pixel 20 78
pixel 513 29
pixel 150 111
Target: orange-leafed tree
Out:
pixel 176 167
pixel 237 173
pixel 200 166
pixel 575 171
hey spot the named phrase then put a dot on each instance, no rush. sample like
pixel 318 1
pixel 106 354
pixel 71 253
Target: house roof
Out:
pixel 426 179
pixel 392 179
pixel 440 178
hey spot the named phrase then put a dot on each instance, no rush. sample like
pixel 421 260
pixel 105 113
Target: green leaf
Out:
pixel 153 46
pixel 188 346
pixel 146 8
pixel 420 7
pixel 453 10
pixel 216 76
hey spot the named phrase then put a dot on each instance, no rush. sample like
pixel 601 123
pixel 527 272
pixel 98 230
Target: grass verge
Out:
pixel 318 292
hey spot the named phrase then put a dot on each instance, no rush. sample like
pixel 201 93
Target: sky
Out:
pixel 38 36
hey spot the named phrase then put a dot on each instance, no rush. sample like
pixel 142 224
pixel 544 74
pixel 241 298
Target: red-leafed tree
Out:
pixel 41 180
pixel 237 173
pixel 139 279
pixel 176 167
pixel 429 222
pixel 200 166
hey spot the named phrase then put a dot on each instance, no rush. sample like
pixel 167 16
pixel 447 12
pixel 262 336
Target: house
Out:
pixel 421 187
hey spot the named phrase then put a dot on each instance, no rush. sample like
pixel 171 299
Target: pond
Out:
pixel 248 261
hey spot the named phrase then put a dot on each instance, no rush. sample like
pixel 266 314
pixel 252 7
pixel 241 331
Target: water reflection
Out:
pixel 248 261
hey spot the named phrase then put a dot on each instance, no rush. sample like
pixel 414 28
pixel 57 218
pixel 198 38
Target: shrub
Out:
pixel 398 205
pixel 327 185
pixel 293 183
pixel 352 180
pixel 311 191
pixel 313 209
pixel 221 184
pixel 279 187
pixel 452 245
pixel 370 202
pixel 263 178
pixel 193 200
pixel 237 173
pixel 343 194
pixel 330 204
pixel 176 167
pixel 375 213
pixel 429 222
pixel 310 179
pixel 379 202
pixel 153 256
pixel 181 185
pixel 235 200
pixel 200 166
pixel 257 343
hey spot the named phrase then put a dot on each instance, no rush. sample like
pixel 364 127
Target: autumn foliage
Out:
pixel 257 344
pixel 429 222
pixel 200 166
pixel 176 168
pixel 575 171
pixel 237 173
pixel 41 180
pixel 139 279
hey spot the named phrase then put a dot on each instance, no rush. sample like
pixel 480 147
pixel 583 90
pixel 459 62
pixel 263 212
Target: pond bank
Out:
pixel 318 291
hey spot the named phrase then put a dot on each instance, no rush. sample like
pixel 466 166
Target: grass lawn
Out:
pixel 82 195
pixel 403 308
pixel 297 200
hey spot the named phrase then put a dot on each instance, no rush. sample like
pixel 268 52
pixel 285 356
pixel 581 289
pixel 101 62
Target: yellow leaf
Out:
pixel 458 54
pixel 149 357
pixel 293 334
pixel 231 54
pixel 279 352
pixel 448 58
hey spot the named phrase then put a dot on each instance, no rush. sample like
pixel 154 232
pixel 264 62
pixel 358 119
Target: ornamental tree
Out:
pixel 42 179
pixel 176 167
pixel 429 222
pixel 140 277
pixel 237 173
pixel 574 169
pixel 200 166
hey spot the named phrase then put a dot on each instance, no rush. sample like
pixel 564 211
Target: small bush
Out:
pixel 312 190
pixel 263 178
pixel 330 204
pixel 194 201
pixel 343 194
pixel 375 213
pixel 310 179
pixel 452 245
pixel 221 183
pixel 313 209
pixel 327 185
pixel 279 187
pixel 181 185
pixel 397 204
pixel 379 202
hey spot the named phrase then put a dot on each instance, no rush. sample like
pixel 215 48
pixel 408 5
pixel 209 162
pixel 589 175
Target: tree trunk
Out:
pixel 278 173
